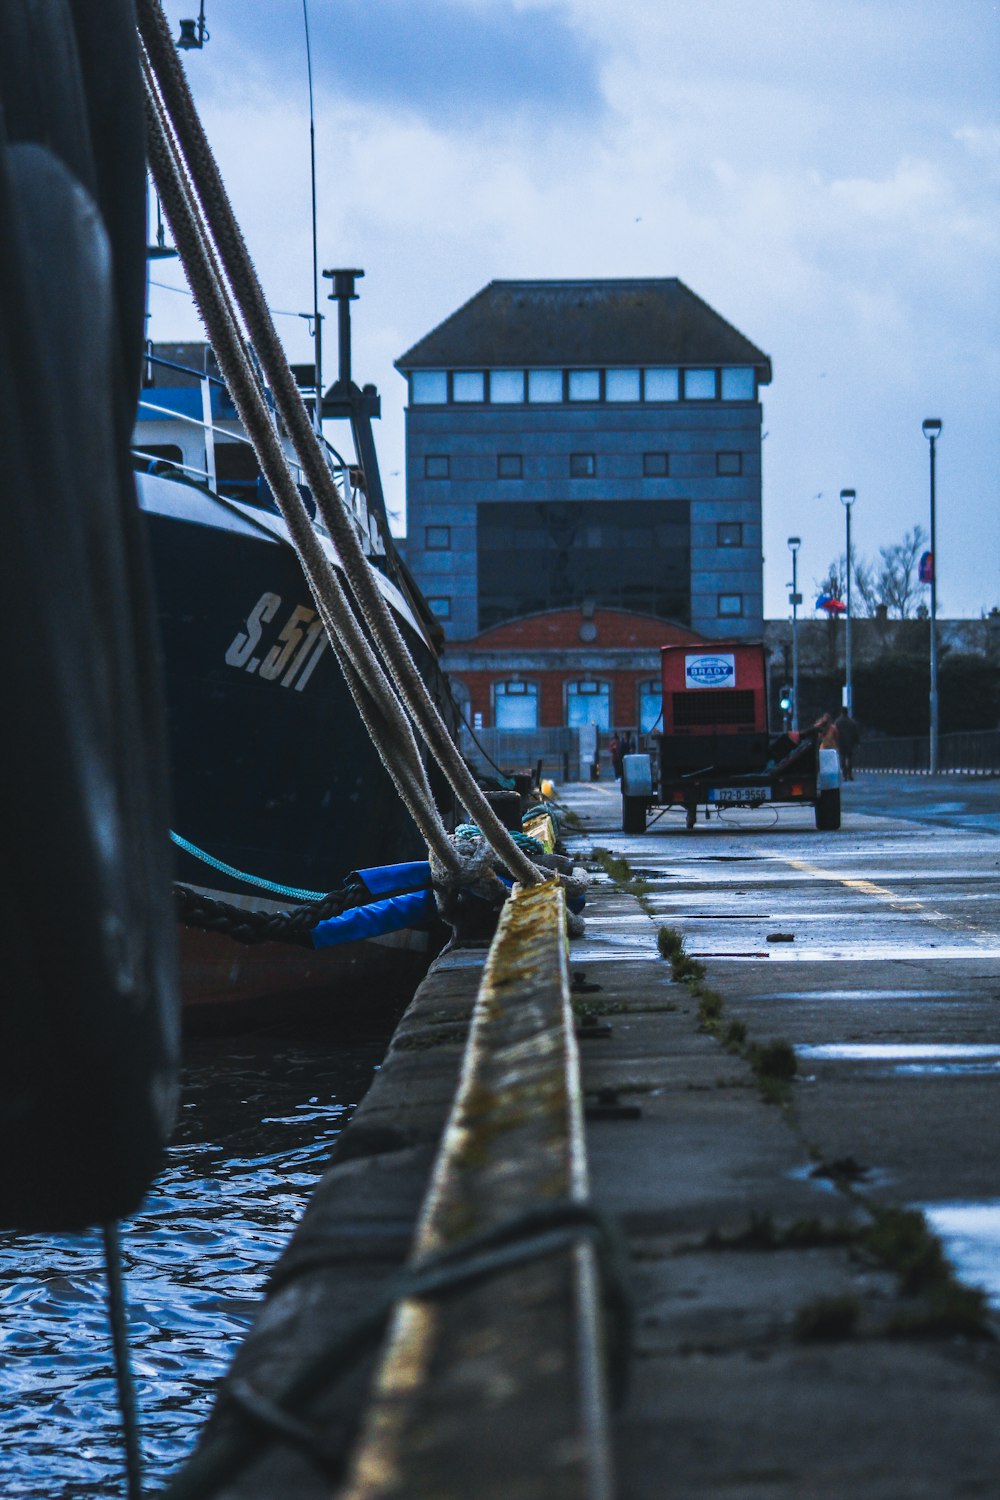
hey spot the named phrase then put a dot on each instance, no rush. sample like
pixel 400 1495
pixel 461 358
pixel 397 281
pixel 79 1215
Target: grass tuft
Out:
pixel 827 1319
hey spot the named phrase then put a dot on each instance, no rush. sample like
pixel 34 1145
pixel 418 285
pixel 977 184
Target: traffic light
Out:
pixel 785 699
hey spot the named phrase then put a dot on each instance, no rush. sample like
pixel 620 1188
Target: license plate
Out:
pixel 739 794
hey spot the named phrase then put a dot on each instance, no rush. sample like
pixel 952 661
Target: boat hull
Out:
pixel 273 772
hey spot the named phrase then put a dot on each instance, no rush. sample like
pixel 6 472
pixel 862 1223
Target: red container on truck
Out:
pixel 715 747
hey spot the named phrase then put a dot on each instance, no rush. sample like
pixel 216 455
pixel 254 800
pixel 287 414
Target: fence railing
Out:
pixel 974 753
pixel 559 750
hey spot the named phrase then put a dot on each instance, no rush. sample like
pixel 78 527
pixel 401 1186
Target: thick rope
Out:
pixel 118 1319
pixel 236 259
pixel 377 702
pixel 274 464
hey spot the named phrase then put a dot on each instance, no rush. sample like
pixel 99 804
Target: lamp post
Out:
pixel 194 34
pixel 794 543
pixel 932 431
pixel 847 499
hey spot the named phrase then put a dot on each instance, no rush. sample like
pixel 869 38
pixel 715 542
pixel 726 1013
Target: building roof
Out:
pixel 655 321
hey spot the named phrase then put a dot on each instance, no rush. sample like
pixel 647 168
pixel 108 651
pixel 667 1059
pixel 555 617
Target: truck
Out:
pixel 715 748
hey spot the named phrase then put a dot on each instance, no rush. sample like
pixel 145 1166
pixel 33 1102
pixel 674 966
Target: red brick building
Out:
pixel 565 667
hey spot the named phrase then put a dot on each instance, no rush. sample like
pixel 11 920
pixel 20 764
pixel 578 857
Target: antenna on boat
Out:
pixel 346 399
pixel 161 250
pixel 316 315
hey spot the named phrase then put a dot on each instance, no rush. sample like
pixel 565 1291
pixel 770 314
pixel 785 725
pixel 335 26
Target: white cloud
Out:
pixel 820 174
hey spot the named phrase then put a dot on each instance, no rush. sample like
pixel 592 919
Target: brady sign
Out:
pixel 710 671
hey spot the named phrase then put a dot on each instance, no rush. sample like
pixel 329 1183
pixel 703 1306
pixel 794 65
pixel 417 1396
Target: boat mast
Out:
pixel 317 320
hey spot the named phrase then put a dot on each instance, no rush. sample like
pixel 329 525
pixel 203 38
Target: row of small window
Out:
pixel 515 704
pixel 728 606
pixel 727 534
pixel 515 387
pixel 581 465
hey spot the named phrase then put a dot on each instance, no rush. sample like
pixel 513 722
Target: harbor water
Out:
pixel 258 1117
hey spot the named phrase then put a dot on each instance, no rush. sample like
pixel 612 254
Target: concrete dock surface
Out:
pixel 758 1126
pixel 875 953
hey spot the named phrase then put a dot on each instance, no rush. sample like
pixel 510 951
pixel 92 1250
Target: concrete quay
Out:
pixel 794 1336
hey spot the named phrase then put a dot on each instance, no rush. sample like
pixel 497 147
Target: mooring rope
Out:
pixel 175 100
pixel 377 703
pixel 118 1318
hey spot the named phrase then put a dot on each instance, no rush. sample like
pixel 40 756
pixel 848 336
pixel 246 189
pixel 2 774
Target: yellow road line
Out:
pixel 885 894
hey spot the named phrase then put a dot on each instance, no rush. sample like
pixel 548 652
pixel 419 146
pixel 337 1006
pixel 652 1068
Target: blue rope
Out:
pixel 265 885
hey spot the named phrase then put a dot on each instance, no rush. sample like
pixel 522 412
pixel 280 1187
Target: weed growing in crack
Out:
pixel 619 872
pixel 827 1319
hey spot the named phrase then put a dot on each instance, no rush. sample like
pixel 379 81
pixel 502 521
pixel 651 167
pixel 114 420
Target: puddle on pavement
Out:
pixel 901 1051
pixel 912 1059
pixel 970 1235
pixel 862 995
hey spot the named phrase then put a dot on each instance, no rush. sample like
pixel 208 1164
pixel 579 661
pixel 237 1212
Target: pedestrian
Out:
pixel 825 731
pixel 616 756
pixel 848 736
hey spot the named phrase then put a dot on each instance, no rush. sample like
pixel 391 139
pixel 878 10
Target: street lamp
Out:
pixel 194 34
pixel 847 499
pixel 932 431
pixel 795 599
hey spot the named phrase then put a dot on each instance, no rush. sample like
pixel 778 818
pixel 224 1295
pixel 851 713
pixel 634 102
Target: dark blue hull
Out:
pixel 272 769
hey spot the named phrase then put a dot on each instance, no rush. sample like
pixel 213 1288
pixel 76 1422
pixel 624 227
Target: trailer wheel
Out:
pixel 633 815
pixel 828 811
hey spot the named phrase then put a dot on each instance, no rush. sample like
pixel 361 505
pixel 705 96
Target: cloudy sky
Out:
pixel 824 172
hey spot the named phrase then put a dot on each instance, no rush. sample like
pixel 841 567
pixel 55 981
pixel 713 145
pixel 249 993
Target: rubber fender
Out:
pixel 70 81
pixel 393 880
pixel 89 1033
pixel 393 914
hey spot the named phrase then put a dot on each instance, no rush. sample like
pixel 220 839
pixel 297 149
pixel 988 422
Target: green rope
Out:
pixel 257 880
pixel 522 840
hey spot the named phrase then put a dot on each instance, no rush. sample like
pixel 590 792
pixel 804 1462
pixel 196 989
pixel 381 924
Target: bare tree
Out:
pixel 834 580
pixel 891 581
pixel 897 574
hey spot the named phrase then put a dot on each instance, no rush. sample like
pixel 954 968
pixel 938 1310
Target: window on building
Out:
pixel 584 385
pixel 699 385
pixel 582 465
pixel 656 465
pixel 507 385
pixel 429 387
pixel 509 466
pixel 662 385
pixel 440 605
pixel 739 384
pixel 545 385
pixel 468 385
pixel 437 466
pixel 437 538
pixel 729 534
pixel 621 385
pixel 588 703
pixel 650 705
pixel 515 705
pixel 729 463
pixel 730 605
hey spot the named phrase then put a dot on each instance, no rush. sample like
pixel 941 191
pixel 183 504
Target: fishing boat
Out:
pixel 277 791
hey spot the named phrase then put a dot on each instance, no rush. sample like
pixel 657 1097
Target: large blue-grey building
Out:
pixel 586 443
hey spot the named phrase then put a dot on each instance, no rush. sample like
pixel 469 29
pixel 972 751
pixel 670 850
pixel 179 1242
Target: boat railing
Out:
pixel 344 473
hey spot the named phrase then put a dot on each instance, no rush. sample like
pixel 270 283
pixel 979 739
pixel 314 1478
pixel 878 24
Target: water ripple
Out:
pixel 254 1134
